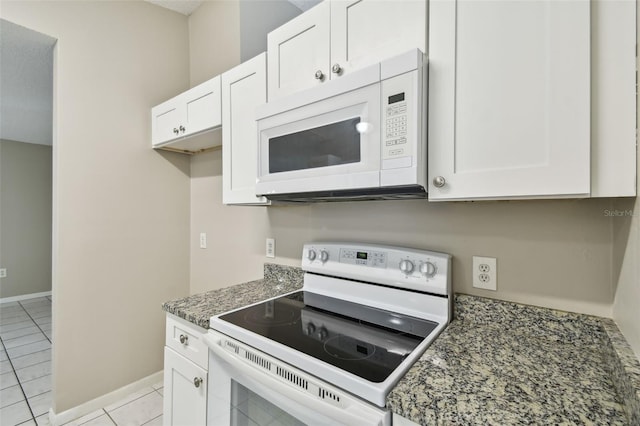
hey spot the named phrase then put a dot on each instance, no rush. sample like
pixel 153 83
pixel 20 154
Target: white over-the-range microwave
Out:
pixel 361 136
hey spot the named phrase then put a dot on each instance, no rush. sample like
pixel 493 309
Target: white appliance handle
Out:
pixel 350 415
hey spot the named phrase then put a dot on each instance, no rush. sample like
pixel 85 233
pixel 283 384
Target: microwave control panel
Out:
pixel 398 136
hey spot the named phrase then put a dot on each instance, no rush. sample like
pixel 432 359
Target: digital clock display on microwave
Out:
pixel 396 98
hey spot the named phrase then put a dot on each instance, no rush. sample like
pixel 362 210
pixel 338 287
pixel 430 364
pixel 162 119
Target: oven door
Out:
pixel 247 387
pixel 327 145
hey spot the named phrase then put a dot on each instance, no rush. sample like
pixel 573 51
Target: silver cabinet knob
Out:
pixel 439 181
pixel 197 381
pixel 176 131
pixel 182 129
pixel 319 75
pixel 336 69
pixel 184 339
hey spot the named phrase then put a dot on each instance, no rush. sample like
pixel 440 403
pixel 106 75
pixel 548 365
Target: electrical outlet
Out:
pixel 3 273
pixel 203 240
pixel 485 273
pixel 271 247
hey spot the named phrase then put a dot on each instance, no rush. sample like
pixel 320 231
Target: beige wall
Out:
pixel 121 209
pixel 236 254
pixel 25 218
pixel 214 39
pixel 626 255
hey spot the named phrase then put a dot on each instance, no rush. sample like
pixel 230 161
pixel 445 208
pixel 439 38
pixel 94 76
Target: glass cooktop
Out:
pixel 362 340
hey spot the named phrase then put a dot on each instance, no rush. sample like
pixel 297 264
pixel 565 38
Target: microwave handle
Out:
pixel 347 415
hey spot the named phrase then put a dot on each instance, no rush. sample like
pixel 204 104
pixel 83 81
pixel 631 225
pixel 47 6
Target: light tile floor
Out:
pixel 25 374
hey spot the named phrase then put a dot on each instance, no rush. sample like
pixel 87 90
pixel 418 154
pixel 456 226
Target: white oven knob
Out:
pixel 406 266
pixel 311 255
pixel 428 269
pixel 324 256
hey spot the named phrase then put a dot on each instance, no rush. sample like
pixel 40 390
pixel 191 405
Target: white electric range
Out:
pixel 330 353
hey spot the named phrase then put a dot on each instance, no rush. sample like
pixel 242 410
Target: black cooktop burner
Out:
pixel 362 340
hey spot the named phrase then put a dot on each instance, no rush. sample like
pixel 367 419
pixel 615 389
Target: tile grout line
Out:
pixel 129 402
pixel 32 353
pixel 26 400
pixel 146 423
pixel 37 325
pixel 109 415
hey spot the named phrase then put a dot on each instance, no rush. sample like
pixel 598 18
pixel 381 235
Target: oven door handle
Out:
pixel 351 414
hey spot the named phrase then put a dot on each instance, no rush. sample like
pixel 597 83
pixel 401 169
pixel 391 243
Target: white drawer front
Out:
pixel 186 339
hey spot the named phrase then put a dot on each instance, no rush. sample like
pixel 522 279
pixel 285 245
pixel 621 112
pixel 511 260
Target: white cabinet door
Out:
pixel 364 32
pixel 165 119
pixel 202 106
pixel 185 391
pixel 243 88
pixel 509 99
pixel 297 51
pixel 349 34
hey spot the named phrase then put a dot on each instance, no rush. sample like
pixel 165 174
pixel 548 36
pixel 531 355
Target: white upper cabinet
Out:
pixel 175 121
pixel 509 99
pixel 243 88
pixel 338 36
pixel 299 52
pixel 531 99
pixel 364 32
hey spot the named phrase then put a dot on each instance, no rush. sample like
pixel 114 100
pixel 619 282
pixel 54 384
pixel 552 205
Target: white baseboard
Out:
pixel 102 401
pixel 24 297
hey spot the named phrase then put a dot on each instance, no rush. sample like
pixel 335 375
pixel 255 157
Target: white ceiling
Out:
pixel 187 7
pixel 26 84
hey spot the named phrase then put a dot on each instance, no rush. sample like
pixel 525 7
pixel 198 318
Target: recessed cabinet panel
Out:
pixel 364 32
pixel 164 119
pixel 298 50
pixel 185 391
pixel 508 103
pixel 243 88
pixel 509 106
pixel 203 106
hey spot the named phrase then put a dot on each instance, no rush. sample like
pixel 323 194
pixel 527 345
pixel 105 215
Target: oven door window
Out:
pixel 329 145
pixel 250 409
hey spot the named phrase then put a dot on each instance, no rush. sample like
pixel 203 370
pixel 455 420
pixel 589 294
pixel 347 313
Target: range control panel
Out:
pixel 389 265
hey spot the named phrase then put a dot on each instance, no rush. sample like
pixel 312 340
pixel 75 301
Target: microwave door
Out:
pixel 328 145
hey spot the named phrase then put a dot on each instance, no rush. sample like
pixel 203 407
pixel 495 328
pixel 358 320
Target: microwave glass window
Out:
pixel 250 409
pixel 330 145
